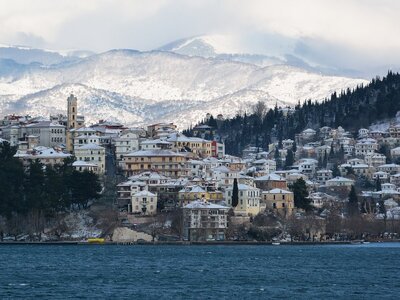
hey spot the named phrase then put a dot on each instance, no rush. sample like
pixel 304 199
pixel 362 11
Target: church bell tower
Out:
pixel 72 122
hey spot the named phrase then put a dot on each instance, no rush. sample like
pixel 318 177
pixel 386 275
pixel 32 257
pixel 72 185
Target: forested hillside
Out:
pixel 352 109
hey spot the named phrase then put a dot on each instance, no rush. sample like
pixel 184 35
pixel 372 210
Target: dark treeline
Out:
pixel 351 109
pixel 36 193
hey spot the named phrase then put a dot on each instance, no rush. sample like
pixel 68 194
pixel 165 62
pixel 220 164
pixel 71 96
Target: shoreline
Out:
pixel 200 243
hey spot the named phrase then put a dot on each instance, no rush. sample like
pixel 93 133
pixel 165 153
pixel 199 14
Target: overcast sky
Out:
pixel 344 33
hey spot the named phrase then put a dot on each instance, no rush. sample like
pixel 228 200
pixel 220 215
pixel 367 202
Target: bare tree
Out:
pixel 260 109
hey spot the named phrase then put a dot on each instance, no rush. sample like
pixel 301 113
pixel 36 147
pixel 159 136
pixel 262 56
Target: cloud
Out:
pixel 347 32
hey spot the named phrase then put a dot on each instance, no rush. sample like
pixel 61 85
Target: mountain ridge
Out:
pixel 128 84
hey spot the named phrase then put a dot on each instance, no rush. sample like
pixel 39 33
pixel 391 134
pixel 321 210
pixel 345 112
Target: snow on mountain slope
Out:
pixel 220 47
pixel 142 87
pixel 28 55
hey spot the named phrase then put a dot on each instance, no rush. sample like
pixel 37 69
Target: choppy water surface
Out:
pixel 200 272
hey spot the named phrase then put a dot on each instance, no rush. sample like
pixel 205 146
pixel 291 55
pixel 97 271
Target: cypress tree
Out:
pixel 378 185
pixel 235 193
pixel 353 208
pixel 335 171
pixel 289 159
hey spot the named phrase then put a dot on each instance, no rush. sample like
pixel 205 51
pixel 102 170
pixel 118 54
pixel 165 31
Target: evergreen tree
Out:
pixel 11 181
pixel 300 193
pixel 353 208
pixel 325 160
pixel 335 171
pixel 278 159
pixel 294 147
pixel 378 186
pixel 289 159
pixel 235 193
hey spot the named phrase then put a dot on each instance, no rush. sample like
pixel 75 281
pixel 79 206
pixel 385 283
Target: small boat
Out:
pixel 276 243
pixel 96 241
pixel 365 242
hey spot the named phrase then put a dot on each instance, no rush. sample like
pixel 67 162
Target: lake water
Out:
pixel 200 272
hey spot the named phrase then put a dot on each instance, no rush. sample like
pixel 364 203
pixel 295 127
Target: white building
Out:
pixel 126 143
pixel 92 153
pixel 323 176
pixel 203 220
pixel 249 200
pixel 366 147
pixel 145 203
pixel 340 182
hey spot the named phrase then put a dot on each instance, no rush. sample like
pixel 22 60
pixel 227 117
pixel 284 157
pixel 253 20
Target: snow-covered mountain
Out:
pixel 28 55
pixel 219 47
pixel 141 87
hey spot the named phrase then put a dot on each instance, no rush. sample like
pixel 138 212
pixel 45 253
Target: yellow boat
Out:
pixel 95 241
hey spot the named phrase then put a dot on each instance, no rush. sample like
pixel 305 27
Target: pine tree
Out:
pixel 353 208
pixel 235 193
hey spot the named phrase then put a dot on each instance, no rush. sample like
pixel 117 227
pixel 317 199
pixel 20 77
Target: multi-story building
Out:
pixel 249 200
pixel 195 145
pixel 270 181
pixel 165 162
pixel 144 203
pixel 279 200
pixel 323 176
pixel 46 156
pixel 190 194
pixel 49 134
pixel 204 221
pixel 375 159
pixel 389 168
pixel 126 143
pixel 161 128
pixel 92 153
pixel 366 147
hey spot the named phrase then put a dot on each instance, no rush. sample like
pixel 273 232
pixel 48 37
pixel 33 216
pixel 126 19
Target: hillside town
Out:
pixel 171 186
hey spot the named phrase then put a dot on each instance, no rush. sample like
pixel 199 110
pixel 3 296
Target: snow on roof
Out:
pixel 90 146
pixel 201 204
pixel 157 141
pixel 309 130
pixel 144 194
pixel 367 141
pixel 184 138
pixel 153 152
pixel 84 129
pixel 84 137
pixel 272 177
pixel 221 169
pixel 243 187
pixel 45 124
pixel 81 163
pixel 340 179
pixel 360 166
pixel 389 166
pixel 277 191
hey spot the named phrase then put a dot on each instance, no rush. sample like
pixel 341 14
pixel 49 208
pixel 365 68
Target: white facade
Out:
pixel 92 153
pixel 249 200
pixel 144 202
pixel 126 143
